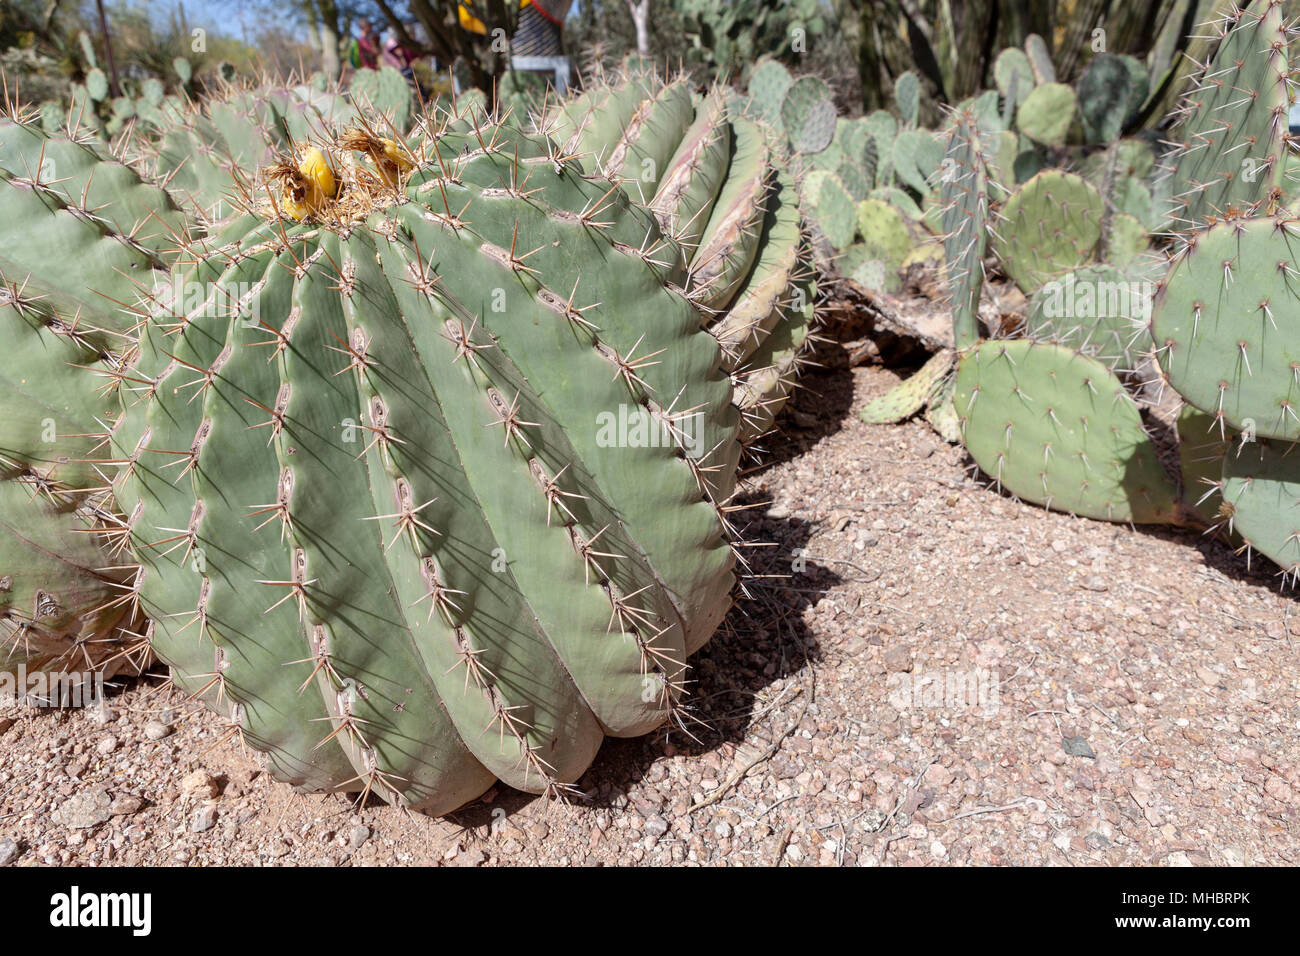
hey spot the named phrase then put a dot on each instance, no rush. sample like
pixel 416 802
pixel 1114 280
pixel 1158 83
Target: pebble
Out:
pixel 204 818
pixel 358 836
pixel 201 785
pixel 125 805
pixel 106 746
pixel 8 851
pixel 157 730
pixel 85 809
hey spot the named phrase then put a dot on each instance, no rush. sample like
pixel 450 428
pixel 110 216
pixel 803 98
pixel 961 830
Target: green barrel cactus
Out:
pixel 66 598
pixel 718 182
pixel 447 472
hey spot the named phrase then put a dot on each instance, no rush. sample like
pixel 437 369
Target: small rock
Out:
pixel 655 826
pixel 125 805
pixel 106 746
pixel 898 658
pixel 1078 747
pixel 104 715
pixel 201 785
pixel 8 851
pixel 5 724
pixel 793 853
pixel 157 730
pixel 204 818
pixel 358 836
pixel 471 857
pixel 85 809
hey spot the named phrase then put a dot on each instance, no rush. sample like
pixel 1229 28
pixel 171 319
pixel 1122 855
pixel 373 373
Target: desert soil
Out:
pixel 927 672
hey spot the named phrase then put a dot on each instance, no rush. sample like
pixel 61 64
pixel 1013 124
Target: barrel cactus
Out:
pixel 65 578
pixel 423 455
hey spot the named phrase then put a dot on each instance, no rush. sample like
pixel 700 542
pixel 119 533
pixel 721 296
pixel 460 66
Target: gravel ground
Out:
pixel 926 673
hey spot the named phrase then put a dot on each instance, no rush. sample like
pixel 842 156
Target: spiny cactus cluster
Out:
pixel 418 464
pixel 1055 415
pixel 1026 127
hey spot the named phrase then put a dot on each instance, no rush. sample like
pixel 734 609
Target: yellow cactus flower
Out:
pixel 308 187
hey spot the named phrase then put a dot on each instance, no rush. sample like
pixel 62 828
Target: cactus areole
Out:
pixel 382 520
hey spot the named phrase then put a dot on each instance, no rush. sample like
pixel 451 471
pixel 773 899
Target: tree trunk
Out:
pixel 328 12
pixel 641 20
pixel 114 87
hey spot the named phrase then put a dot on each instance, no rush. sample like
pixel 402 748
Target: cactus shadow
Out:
pixel 818 408
pixel 763 640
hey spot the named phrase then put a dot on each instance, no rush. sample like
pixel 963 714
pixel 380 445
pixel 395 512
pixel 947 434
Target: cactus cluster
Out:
pixel 1116 314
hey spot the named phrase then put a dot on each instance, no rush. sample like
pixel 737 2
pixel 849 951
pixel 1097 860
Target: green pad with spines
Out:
pixel 912 394
pixel 769 82
pixel 907 97
pixel 1014 76
pixel 884 232
pixel 964 213
pixel 918 159
pixel 1057 428
pixel 1049 225
pixel 1047 113
pixel 830 207
pixel 1225 324
pixel 1040 61
pixel 808 115
pixel 1097 310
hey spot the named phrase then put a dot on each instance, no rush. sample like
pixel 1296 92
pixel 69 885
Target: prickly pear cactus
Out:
pixel 1225 168
pixel 1047 112
pixel 1049 225
pixel 1225 325
pixel 1097 310
pixel 1057 428
pixel 808 115
pixel 384 91
pixel 964 208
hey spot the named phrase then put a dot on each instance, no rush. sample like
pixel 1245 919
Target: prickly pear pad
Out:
pixel 1057 428
pixel 1049 225
pixel 1226 325
pixel 1261 496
